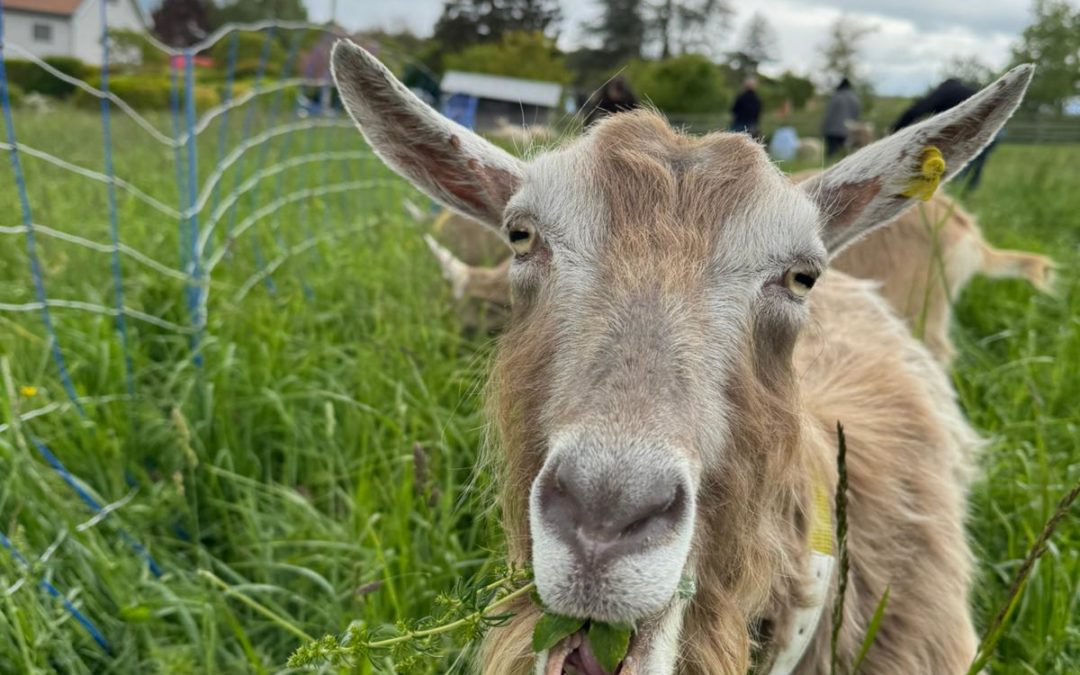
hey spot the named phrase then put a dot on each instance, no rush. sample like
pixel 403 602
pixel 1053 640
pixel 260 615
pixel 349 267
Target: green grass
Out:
pixel 287 466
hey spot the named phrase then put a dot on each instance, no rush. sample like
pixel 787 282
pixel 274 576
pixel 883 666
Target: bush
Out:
pixel 15 93
pixel 148 92
pixel 249 49
pixel 132 49
pixel 529 55
pixel 249 68
pixel 31 77
pixel 689 83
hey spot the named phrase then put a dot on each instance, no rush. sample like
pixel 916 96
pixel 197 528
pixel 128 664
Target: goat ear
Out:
pixel 874 185
pixel 447 161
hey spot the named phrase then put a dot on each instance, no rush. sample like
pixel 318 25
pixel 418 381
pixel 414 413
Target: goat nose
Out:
pixel 605 517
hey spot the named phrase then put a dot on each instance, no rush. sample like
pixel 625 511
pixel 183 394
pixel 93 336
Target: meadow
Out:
pixel 323 459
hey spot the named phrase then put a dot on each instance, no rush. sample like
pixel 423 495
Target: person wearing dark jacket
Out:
pixel 843 107
pixel 946 95
pixel 746 111
pixel 615 96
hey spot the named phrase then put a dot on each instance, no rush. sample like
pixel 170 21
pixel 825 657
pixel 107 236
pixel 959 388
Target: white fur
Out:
pixel 634 586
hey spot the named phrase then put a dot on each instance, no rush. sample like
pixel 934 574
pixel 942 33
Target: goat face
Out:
pixel 665 279
pixel 643 391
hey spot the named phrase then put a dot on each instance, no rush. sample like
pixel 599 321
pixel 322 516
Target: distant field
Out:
pixel 323 459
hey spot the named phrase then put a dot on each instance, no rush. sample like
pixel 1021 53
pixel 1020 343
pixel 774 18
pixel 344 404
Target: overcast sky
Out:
pixel 904 55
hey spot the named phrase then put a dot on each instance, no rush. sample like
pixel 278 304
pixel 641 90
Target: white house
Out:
pixel 480 101
pixel 66 27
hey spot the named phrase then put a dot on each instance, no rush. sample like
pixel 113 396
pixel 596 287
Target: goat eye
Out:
pixel 521 239
pixel 799 282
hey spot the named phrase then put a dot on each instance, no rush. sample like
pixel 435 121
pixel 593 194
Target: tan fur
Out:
pixel 472 243
pixel 909 446
pixel 923 261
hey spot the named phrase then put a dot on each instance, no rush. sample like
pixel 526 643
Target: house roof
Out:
pixel 496 87
pixel 61 7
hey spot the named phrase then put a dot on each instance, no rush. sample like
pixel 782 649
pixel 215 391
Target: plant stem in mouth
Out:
pixel 438 630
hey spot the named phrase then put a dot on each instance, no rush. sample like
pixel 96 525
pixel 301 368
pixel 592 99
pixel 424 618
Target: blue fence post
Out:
pixel 275 109
pixel 114 228
pixel 28 224
pixel 195 294
pixel 223 130
pixel 178 160
pixel 245 131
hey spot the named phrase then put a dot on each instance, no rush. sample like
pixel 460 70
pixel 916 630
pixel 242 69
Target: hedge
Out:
pixel 31 77
pixel 147 92
pixel 249 49
pixel 15 93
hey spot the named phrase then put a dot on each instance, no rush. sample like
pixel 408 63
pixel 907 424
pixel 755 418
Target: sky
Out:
pixel 903 56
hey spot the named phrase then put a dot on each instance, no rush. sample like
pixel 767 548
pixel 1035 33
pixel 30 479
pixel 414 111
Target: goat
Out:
pixel 522 136
pixel 923 260
pixel 860 135
pixel 665 395
pixel 810 150
pixel 926 259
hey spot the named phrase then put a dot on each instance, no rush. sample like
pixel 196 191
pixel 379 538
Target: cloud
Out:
pixel 419 16
pixel 903 56
pixel 984 16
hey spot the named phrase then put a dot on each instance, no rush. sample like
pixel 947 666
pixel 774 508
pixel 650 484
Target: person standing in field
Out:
pixel 843 107
pixel 746 111
pixel 615 96
pixel 946 95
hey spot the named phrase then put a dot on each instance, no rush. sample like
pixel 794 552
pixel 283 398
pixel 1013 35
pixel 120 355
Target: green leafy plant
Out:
pixel 609 643
pixel 552 629
pixel 469 612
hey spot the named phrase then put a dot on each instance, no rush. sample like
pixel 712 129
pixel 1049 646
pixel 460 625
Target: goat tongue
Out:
pixel 583 661
pixel 557 655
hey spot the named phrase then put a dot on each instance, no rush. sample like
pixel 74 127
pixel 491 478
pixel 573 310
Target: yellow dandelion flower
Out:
pixel 28 391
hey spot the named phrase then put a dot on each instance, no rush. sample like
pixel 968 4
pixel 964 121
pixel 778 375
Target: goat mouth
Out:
pixel 574 656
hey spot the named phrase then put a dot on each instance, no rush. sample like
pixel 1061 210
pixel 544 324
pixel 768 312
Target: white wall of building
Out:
pixel 78 35
pixel 19 30
pixel 86 42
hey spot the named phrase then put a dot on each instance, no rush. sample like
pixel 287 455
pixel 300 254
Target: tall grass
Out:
pixel 288 466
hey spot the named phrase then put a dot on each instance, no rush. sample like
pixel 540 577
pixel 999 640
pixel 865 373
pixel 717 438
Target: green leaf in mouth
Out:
pixel 687 587
pixel 609 643
pixel 551 628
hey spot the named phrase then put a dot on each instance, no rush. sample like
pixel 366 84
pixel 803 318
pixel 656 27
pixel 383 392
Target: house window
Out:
pixel 42 32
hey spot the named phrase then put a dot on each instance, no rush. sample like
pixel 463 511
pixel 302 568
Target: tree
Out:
pixel 1052 43
pixel 969 69
pixel 757 45
pixel 249 11
pixel 690 83
pixel 531 55
pixel 620 29
pixel 468 22
pixel 681 26
pixel 841 51
pixel 795 88
pixel 181 23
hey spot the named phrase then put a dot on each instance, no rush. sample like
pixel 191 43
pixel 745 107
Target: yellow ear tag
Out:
pixel 925 184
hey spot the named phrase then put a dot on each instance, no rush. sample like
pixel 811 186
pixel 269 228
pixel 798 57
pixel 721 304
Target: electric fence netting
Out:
pixel 125 245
